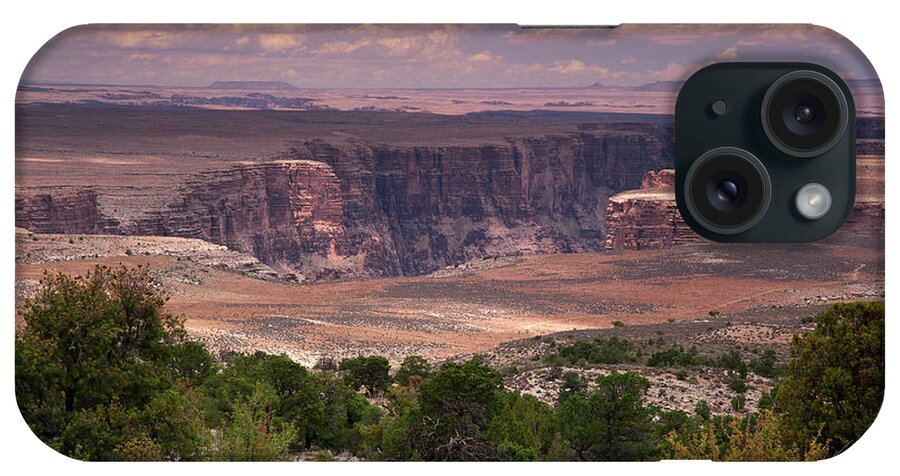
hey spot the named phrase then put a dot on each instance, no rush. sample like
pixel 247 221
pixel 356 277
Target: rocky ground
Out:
pixel 713 296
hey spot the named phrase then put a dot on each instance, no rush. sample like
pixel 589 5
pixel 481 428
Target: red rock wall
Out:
pixel 647 217
pixel 69 211
pixel 356 209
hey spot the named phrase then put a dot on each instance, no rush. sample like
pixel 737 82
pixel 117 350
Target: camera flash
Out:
pixel 813 201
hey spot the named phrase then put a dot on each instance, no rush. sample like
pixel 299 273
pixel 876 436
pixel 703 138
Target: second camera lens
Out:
pixel 804 113
pixel 727 190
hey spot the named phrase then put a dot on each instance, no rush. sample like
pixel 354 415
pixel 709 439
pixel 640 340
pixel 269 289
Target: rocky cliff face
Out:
pixel 72 210
pixel 428 207
pixel 647 217
pixel 356 209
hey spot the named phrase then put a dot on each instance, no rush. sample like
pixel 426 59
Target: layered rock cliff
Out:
pixel 647 217
pixel 357 209
pixel 70 210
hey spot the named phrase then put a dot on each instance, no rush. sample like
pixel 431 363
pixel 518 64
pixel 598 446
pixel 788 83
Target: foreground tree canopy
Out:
pixel 103 372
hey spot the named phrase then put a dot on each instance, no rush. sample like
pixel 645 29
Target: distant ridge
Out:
pixel 258 85
pixel 669 85
pixel 654 86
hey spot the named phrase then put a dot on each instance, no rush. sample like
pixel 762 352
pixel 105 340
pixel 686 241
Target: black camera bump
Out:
pixel 765 152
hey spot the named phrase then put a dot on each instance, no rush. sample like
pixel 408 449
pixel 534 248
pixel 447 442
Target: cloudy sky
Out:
pixel 423 56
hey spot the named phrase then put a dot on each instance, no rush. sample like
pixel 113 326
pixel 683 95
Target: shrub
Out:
pixel 412 370
pixel 732 360
pixel 737 402
pixel 598 351
pixel 372 372
pixel 737 383
pixel 675 355
pixel 765 365
pixel 834 380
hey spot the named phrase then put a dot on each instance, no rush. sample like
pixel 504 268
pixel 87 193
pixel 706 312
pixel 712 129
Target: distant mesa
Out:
pixel 258 85
pixel 569 104
pixel 660 86
pixel 668 85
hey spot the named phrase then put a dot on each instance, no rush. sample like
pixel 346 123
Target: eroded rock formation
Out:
pixel 647 217
pixel 355 209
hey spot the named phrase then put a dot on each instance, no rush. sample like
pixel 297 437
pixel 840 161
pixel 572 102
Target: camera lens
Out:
pixel 804 113
pixel 727 190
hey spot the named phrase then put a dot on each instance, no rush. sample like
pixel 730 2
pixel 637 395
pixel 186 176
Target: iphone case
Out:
pixel 420 242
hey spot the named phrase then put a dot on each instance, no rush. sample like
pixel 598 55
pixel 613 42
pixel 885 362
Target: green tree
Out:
pixel 93 358
pixel 834 382
pixel 298 392
pixel 521 427
pixel 94 333
pixel 253 433
pixel 610 424
pixel 572 384
pixel 455 405
pixel 703 410
pixel 94 434
pixel 190 361
pixel 373 372
pixel 734 361
pixel 139 448
pixel 174 422
pixel 412 370
pixel 766 365
pixel 346 412
pixel 299 396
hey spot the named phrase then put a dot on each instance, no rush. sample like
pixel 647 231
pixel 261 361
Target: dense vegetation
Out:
pixel 103 372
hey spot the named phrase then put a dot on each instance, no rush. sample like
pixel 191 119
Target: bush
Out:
pixel 703 410
pixel 737 383
pixel 765 365
pixel 734 361
pixel 252 433
pixel 372 372
pixel 737 402
pixel 834 380
pixel 412 370
pixel 599 351
pixel 675 355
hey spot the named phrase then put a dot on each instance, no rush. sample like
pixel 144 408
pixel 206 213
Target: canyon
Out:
pixel 329 234
pixel 338 195
pixel 324 209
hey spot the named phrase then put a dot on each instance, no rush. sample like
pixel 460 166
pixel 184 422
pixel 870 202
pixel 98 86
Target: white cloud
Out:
pixel 569 67
pixel 343 47
pixel 727 53
pixel 483 56
pixel 279 42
